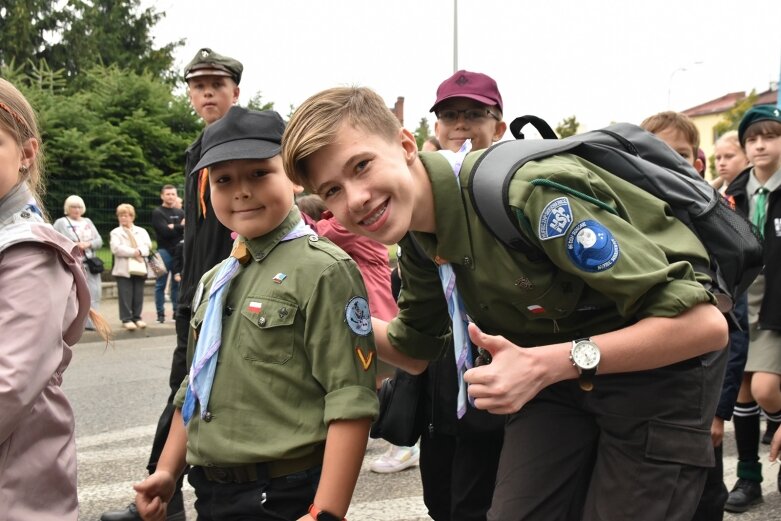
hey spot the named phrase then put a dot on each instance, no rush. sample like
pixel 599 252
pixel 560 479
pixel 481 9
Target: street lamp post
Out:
pixel 670 83
pixel 455 36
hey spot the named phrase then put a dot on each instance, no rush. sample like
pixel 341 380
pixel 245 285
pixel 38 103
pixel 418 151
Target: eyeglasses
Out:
pixel 472 115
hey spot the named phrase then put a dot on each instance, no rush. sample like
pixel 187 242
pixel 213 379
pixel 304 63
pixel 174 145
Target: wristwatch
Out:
pixel 585 357
pixel 322 515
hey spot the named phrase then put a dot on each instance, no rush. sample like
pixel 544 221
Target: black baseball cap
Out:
pixel 209 63
pixel 241 134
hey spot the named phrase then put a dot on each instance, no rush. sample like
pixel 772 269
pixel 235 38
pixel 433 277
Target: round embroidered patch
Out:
pixel 592 247
pixel 358 317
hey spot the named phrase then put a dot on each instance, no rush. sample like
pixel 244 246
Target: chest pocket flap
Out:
pixel 266 332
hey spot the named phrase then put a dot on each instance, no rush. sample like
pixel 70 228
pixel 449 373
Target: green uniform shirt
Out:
pixel 290 362
pixel 558 298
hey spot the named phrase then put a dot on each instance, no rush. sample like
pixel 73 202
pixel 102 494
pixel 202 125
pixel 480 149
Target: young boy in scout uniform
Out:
pixel 611 410
pixel 276 409
pixel 213 87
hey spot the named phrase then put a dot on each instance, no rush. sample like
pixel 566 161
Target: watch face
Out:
pixel 585 354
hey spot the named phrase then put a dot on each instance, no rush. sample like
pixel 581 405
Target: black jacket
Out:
pixel 206 240
pixel 770 310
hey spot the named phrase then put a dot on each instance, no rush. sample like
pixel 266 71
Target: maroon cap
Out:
pixel 472 85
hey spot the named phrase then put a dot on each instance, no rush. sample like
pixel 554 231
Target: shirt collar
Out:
pixel 260 247
pixel 772 184
pixel 450 241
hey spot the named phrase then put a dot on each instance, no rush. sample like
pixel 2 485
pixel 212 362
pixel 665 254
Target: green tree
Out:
pixel 422 133
pixel 256 103
pixel 567 127
pixel 731 119
pixel 77 34
pixel 123 134
pixel 24 26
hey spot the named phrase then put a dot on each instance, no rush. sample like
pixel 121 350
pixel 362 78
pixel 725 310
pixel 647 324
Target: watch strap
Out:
pixel 586 378
pixel 322 515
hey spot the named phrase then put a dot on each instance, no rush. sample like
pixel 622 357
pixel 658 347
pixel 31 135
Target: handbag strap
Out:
pixel 132 238
pixel 74 229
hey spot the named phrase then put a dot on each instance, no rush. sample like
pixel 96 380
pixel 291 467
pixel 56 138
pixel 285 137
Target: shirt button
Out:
pixel 314 238
pixel 228 311
pixel 467 261
pixel 262 321
pixel 207 416
pixel 25 214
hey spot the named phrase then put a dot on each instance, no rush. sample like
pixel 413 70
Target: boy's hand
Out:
pixel 513 377
pixel 717 431
pixel 775 445
pixel 153 494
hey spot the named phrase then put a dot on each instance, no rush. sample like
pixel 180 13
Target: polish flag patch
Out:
pixel 254 307
pixel 536 309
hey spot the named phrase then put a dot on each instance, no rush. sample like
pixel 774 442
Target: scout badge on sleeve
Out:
pixel 358 317
pixel 365 358
pixel 591 246
pixel 555 219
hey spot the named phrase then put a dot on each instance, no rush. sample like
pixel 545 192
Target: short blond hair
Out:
pixel 317 122
pixel 126 208
pixel 73 200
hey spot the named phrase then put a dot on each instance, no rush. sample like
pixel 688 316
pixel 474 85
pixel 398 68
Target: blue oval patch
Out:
pixel 358 316
pixel 592 247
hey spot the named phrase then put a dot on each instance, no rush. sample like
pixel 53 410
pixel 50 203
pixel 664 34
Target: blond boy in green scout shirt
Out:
pixel 636 446
pixel 282 430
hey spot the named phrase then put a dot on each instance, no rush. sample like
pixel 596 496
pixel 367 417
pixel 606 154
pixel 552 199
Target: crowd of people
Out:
pixel 587 378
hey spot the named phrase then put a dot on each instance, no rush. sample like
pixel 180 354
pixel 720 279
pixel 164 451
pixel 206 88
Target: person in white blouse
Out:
pixel 83 232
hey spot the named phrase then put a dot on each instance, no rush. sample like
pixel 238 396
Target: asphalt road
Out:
pixel 118 393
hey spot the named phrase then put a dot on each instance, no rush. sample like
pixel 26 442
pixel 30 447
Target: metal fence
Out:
pixel 102 205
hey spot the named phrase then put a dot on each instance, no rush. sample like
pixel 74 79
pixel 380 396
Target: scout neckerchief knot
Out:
pixel 207 349
pixel 760 209
pixel 455 305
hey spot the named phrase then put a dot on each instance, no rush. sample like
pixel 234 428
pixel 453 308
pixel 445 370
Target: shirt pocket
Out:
pixel 266 332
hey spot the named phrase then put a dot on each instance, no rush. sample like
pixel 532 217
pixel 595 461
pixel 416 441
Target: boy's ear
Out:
pixel 699 165
pixel 501 128
pixel 409 144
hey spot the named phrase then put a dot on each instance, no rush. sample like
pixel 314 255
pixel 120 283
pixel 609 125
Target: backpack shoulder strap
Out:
pixel 489 183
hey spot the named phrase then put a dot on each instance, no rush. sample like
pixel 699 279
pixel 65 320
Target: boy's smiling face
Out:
pixel 483 131
pixel 365 180
pixel 251 196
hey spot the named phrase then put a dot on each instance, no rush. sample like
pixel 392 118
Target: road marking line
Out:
pixel 114 436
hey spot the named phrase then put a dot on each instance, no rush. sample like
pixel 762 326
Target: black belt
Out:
pixel 265 470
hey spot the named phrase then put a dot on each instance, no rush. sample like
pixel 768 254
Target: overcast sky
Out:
pixel 600 60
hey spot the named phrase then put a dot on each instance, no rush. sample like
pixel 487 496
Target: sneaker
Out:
pixel 141 324
pixel 743 496
pixel 771 429
pixel 130 326
pixel 396 459
pixel 161 318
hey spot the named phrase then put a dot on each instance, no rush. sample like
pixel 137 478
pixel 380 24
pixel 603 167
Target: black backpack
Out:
pixel 644 160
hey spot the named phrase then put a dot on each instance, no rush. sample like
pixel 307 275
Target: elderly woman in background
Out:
pixel 130 245
pixel 82 231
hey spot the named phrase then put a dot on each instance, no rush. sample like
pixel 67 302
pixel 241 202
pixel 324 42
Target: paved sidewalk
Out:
pixel 109 308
